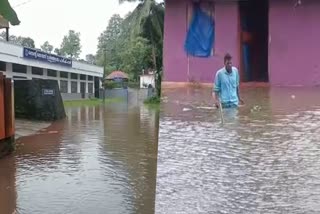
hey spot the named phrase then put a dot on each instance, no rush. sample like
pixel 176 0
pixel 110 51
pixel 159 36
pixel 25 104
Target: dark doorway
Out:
pixel 254 22
pixel 83 90
pixel 96 87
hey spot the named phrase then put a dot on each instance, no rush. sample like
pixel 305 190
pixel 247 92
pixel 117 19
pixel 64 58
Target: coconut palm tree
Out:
pixel 147 20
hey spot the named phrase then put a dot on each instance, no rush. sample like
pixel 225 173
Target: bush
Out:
pixel 133 85
pixel 152 100
pixel 111 85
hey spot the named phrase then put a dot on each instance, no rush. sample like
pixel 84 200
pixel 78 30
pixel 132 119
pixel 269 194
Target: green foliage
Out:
pixel 109 44
pixel 27 42
pixel 154 100
pixel 136 58
pixel 70 45
pixel 8 13
pixel 111 85
pixel 19 40
pixel 46 47
pixel 135 42
pixel 90 58
pixel 133 84
pixel 90 102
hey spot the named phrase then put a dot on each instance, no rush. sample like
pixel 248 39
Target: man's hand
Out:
pixel 241 102
pixel 216 100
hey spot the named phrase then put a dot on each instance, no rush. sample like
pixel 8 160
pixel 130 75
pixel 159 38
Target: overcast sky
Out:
pixel 50 20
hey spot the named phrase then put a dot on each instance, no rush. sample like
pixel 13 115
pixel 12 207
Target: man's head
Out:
pixel 228 62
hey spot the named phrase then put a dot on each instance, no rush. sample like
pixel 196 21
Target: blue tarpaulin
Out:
pixel 200 36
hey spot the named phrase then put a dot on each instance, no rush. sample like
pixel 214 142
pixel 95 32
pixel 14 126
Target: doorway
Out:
pixel 83 90
pixel 254 30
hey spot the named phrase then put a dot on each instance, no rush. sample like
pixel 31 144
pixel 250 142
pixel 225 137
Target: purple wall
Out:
pixel 200 69
pixel 294 43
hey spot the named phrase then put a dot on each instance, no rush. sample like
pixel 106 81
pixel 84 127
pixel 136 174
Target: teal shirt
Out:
pixel 226 84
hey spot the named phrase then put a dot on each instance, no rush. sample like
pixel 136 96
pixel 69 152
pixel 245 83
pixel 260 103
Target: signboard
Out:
pixel 46 57
pixel 48 92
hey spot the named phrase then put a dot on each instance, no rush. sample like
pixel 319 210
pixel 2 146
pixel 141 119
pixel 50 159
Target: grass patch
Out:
pixel 89 102
pixel 154 100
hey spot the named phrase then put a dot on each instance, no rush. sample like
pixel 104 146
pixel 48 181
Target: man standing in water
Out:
pixel 226 85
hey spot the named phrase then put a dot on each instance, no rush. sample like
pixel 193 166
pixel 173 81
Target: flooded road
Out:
pixel 264 159
pixel 98 160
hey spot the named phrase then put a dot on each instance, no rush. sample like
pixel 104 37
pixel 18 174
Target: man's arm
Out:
pixel 238 89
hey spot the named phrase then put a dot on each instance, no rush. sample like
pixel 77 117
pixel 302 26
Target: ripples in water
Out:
pixel 100 160
pixel 258 162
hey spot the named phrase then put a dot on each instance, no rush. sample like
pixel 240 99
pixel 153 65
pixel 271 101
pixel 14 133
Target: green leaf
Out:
pixel 8 13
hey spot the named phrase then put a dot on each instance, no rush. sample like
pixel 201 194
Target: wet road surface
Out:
pixel 98 160
pixel 264 159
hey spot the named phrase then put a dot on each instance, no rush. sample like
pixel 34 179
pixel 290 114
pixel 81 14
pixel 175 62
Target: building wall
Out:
pixel 9 73
pixel 294 43
pixel 14 54
pixel 11 54
pixel 146 80
pixel 177 66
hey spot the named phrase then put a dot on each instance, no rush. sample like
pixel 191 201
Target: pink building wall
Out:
pixel 293 43
pixel 294 46
pixel 175 59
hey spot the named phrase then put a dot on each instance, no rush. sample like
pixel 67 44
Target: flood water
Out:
pixel 264 159
pixel 98 160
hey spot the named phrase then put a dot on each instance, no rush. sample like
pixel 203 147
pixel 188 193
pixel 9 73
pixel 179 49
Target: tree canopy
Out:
pixel 134 43
pixel 70 45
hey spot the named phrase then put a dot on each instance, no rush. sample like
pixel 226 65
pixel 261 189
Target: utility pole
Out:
pixel 104 73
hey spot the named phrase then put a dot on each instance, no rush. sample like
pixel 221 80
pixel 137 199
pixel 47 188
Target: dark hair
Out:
pixel 227 57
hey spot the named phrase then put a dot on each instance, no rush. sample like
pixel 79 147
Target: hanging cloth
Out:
pixel 200 36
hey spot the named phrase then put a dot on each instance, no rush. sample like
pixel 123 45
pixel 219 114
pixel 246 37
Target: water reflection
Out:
pixel 262 161
pixel 98 160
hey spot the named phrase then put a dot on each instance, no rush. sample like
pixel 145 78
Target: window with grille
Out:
pixel 74 76
pixel 74 87
pixel 17 68
pixel 37 71
pixel 90 88
pixel 63 74
pixel 3 66
pixel 52 73
pixel 63 86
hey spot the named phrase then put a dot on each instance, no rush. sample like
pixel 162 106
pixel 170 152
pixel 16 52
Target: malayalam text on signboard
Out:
pixel 46 57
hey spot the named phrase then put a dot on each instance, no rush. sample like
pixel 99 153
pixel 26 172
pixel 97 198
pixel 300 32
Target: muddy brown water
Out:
pixel 98 160
pixel 264 159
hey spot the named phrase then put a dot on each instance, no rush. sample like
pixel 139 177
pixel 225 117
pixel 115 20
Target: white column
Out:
pixel 78 81
pixel 45 73
pixel 29 72
pixel 8 72
pixel 69 82
pixel 87 90
pixel 58 78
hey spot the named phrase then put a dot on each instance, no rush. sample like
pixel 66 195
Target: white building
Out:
pixel 76 79
pixel 146 80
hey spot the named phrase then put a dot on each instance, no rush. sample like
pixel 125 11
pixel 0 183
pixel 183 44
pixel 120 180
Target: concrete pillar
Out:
pixel 45 73
pixel 87 90
pixel 29 72
pixel 78 81
pixel 58 78
pixel 9 70
pixel 69 83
